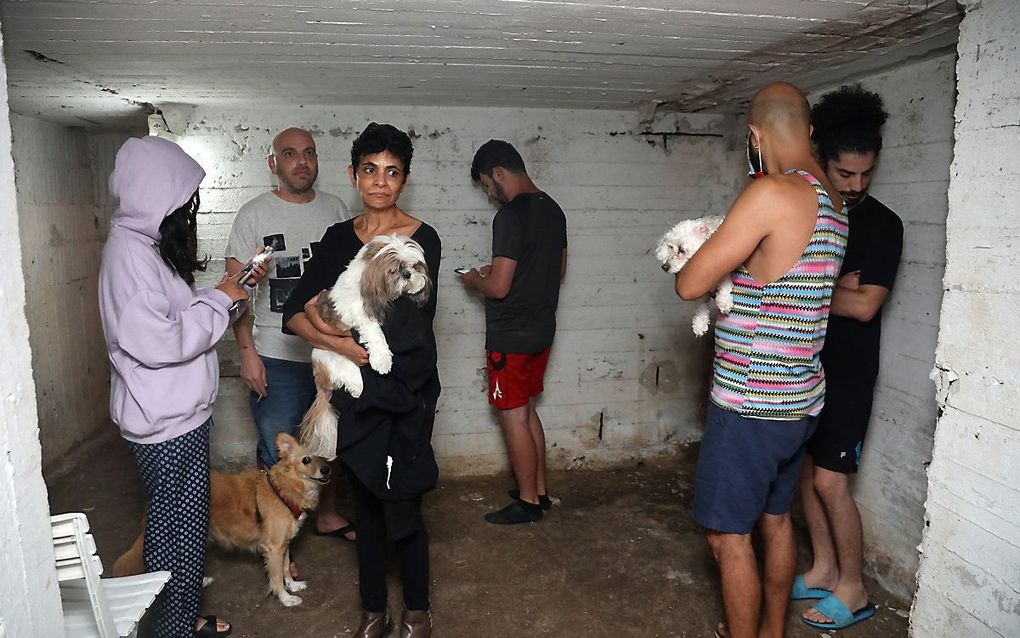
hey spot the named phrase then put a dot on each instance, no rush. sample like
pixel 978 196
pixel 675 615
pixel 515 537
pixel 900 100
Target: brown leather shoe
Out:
pixel 373 625
pixel 416 624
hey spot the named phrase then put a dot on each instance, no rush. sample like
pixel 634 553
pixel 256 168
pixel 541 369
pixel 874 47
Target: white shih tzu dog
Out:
pixel 675 249
pixel 385 269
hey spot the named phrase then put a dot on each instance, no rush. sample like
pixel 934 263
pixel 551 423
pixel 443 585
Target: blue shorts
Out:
pixel 289 395
pixel 747 467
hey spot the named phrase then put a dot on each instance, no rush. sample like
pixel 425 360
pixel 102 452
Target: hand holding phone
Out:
pixel 249 267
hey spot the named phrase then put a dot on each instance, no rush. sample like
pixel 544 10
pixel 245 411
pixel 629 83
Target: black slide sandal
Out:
pixel 209 630
pixel 340 532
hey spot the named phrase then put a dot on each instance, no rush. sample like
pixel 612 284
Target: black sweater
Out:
pixel 394 416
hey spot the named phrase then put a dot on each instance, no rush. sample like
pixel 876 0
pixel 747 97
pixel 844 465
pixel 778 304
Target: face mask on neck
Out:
pixel 754 170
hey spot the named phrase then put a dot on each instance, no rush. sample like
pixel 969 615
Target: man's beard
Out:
pixel 853 199
pixel 500 194
pixel 298 188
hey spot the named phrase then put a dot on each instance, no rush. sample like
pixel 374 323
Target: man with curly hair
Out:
pixel 847 135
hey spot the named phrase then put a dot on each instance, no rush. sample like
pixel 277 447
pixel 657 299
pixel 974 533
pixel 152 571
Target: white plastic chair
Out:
pixel 97 607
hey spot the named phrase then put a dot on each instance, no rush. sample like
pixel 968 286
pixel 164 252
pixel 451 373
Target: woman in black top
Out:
pixel 380 163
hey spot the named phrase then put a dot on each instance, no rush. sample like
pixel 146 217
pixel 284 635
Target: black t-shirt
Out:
pixel 850 353
pixel 336 249
pixel 531 230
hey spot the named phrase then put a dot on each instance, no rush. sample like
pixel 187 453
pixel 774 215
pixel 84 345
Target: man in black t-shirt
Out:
pixel 847 132
pixel 521 288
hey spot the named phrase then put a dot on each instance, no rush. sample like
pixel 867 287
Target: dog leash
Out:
pixel 294 509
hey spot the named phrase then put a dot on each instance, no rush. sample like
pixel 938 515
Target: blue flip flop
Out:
pixel 839 616
pixel 800 590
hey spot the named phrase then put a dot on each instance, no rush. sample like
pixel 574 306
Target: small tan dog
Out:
pixel 259 511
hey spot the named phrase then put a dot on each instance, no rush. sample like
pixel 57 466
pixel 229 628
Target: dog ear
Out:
pixel 422 296
pixel 284 444
pixel 375 286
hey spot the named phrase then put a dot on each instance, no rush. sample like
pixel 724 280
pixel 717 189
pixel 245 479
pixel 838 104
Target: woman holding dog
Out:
pixel 384 509
pixel 161 334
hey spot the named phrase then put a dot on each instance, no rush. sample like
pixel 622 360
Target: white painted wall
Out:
pixel 28 585
pixel 61 238
pixel 967 583
pixel 912 179
pixel 621 325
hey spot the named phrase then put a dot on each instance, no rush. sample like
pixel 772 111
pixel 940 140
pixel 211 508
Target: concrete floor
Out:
pixel 619 556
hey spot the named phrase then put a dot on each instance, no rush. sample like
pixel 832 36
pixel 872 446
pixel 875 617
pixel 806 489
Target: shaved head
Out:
pixel 295 162
pixel 780 107
pixel 283 136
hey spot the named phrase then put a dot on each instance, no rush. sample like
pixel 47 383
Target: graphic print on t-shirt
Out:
pixel 287 273
pixel 288 267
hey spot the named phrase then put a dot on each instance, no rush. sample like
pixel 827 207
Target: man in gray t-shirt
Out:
pixel 276 367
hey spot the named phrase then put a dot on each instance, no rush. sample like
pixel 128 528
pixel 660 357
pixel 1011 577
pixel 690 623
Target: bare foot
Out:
pixel 853 601
pixel 821 579
pixel 294 571
pixel 326 525
pixel 221 625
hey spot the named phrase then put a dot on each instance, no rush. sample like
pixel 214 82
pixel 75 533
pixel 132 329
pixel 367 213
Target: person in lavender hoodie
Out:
pixel 161 334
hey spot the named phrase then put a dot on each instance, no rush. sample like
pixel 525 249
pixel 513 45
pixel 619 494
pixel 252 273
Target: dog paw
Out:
pixel 356 386
pixel 382 362
pixel 700 324
pixel 295 586
pixel 207 580
pixel 289 601
pixel 724 302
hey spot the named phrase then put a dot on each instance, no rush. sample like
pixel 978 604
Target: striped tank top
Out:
pixel 767 348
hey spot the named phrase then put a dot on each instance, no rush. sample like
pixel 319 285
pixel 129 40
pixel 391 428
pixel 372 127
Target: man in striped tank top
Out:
pixel 782 243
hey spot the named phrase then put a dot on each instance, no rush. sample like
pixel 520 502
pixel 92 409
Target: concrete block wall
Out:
pixel 912 179
pixel 61 238
pixel 970 557
pixel 28 586
pixel 627 378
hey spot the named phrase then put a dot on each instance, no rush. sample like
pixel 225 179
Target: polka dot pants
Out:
pixel 176 476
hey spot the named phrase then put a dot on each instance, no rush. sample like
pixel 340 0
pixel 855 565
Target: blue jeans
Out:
pixel 289 393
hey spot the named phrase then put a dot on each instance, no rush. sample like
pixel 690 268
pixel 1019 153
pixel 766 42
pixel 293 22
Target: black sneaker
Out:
pixel 514 513
pixel 543 499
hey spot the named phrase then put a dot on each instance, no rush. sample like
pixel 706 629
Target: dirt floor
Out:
pixel 617 556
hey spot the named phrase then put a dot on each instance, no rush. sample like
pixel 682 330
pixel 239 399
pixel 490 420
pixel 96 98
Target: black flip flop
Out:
pixel 209 630
pixel 340 532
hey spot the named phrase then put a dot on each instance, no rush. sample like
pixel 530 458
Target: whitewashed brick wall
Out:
pixel 912 179
pixel 627 379
pixel 28 587
pixel 61 238
pixel 970 563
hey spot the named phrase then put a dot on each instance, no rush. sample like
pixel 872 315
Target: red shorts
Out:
pixel 515 378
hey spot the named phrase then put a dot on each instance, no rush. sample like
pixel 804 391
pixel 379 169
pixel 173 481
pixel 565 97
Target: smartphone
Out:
pixel 463 270
pixel 255 261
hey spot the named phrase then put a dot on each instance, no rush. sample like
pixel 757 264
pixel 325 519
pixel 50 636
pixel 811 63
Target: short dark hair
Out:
pixel 178 240
pixel 496 153
pixel 377 138
pixel 848 120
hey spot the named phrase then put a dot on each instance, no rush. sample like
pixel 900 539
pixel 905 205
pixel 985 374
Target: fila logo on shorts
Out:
pixel 515 378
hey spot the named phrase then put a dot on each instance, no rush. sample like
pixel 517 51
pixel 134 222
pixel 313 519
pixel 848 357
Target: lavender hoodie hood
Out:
pixel 160 332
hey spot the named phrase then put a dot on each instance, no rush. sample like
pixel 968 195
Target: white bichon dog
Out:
pixel 675 249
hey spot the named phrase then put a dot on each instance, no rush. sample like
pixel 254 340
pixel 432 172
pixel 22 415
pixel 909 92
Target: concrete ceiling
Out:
pixel 104 62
